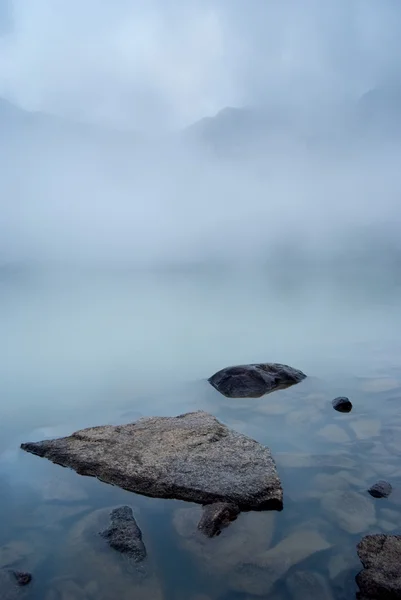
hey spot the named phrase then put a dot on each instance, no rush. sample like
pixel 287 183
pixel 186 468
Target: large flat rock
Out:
pixel 381 558
pixel 255 380
pixel 191 457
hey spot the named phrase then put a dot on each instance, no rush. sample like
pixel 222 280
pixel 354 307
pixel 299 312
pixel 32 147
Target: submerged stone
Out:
pixel 303 585
pixel 259 574
pixel 22 578
pixel 98 571
pixel 381 557
pixel 191 457
pixel 124 534
pixel 9 588
pixel 216 516
pixel 381 489
pixel 255 380
pixel 351 511
pixel 342 404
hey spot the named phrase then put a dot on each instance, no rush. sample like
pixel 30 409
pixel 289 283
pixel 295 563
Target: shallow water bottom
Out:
pixel 51 517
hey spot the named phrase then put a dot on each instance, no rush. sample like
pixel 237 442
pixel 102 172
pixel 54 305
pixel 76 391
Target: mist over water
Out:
pixel 126 161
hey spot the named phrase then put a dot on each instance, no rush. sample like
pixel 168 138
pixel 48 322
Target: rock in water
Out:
pixel 342 404
pixel 216 516
pixel 381 489
pixel 305 585
pixel 381 558
pixel 22 578
pixel 191 457
pixel 124 534
pixel 254 381
pixel 351 511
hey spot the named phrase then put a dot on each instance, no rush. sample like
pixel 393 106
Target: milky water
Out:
pixel 97 347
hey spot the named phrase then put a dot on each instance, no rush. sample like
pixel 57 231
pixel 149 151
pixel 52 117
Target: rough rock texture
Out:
pixel 381 489
pixel 342 404
pixel 191 457
pixel 124 534
pixel 254 381
pixel 381 558
pixel 216 516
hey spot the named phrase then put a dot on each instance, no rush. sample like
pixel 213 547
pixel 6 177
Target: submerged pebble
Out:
pixel 22 578
pixel 342 404
pixel 381 489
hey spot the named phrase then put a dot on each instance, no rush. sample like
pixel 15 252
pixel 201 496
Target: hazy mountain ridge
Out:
pixel 250 185
pixel 378 111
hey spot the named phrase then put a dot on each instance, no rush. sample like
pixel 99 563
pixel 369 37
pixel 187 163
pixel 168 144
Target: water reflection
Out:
pixel 159 355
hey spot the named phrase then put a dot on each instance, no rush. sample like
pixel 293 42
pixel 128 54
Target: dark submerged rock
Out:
pixel 216 516
pixel 191 457
pixel 124 534
pixel 381 489
pixel 22 578
pixel 9 589
pixel 381 558
pixel 342 404
pixel 255 380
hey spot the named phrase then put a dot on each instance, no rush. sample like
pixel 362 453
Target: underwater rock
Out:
pixel 381 489
pixel 342 404
pixel 99 571
pixel 22 578
pixel 191 457
pixel 124 534
pixel 9 588
pixel 334 434
pixel 250 534
pixel 366 429
pixel 258 575
pixel 352 511
pixel 305 585
pixel 255 380
pixel 381 557
pixel 216 516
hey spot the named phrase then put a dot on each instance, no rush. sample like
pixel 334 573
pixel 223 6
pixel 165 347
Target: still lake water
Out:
pixel 94 348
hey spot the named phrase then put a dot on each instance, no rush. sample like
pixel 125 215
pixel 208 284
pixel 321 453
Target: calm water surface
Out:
pixel 95 348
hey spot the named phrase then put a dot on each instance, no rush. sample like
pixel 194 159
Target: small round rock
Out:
pixel 22 578
pixel 381 489
pixel 342 404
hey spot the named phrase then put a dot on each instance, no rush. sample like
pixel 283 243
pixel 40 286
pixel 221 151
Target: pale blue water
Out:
pixel 94 348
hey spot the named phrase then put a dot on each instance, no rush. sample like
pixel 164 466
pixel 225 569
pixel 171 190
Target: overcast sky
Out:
pixel 165 63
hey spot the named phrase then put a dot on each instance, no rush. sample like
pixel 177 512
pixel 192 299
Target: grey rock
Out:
pixel 216 516
pixel 191 457
pixel 381 557
pixel 255 380
pixel 304 585
pixel 381 489
pixel 124 534
pixel 342 404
